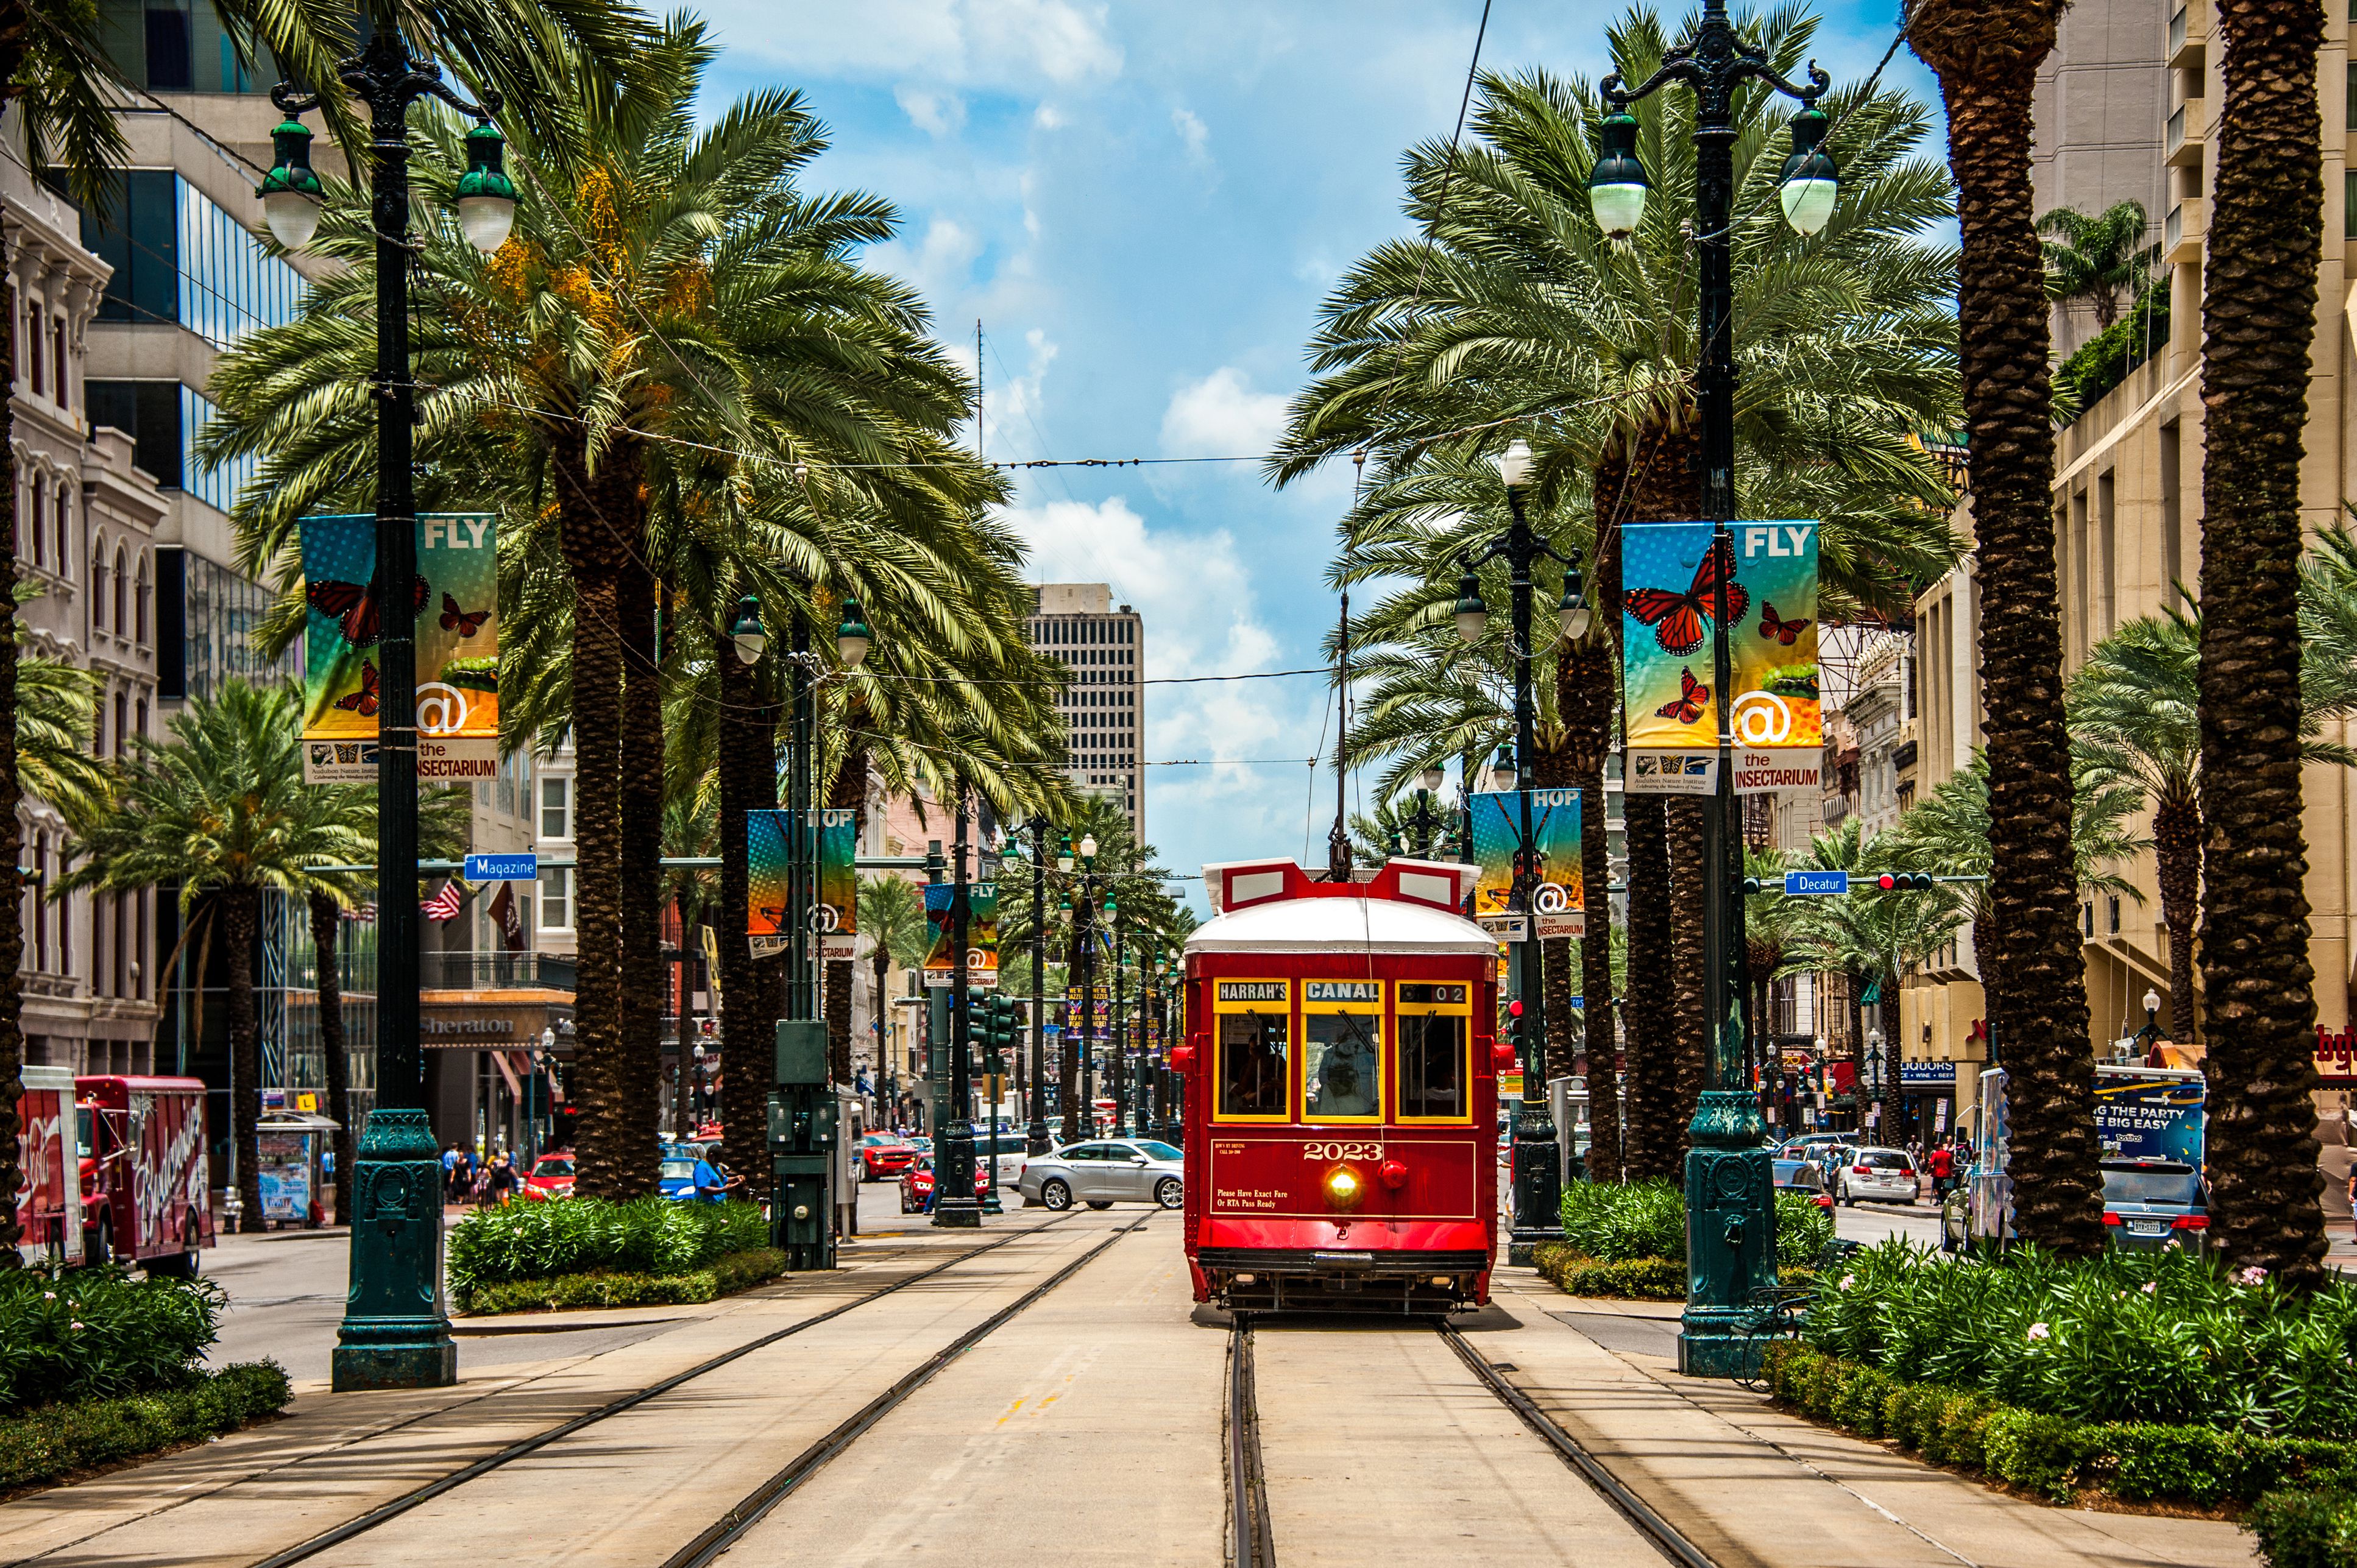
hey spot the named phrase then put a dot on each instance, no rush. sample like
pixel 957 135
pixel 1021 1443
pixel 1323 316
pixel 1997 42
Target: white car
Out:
pixel 1882 1175
pixel 1104 1172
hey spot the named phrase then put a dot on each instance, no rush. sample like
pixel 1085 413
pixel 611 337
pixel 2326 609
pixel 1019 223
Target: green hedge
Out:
pixel 86 1334
pixel 1640 1279
pixel 588 1235
pixel 1626 1222
pixel 2052 1455
pixel 2104 360
pixel 730 1271
pixel 2306 1529
pixel 56 1440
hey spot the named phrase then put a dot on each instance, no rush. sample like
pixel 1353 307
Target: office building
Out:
pixel 1102 646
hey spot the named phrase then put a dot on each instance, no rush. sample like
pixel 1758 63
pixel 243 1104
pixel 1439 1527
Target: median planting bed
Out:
pixel 588 1252
pixel 1630 1241
pixel 97 1365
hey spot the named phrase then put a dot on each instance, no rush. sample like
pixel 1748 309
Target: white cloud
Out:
pixel 935 113
pixel 969 43
pixel 1048 117
pixel 1221 416
pixel 1191 130
pixel 937 264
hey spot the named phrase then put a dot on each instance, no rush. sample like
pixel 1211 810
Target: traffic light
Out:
pixel 1903 882
pixel 999 1028
pixel 1517 1032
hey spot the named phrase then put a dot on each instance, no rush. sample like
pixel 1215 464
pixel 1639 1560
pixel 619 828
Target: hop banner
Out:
pixel 981 935
pixel 1674 573
pixel 1559 900
pixel 455 600
pixel 834 917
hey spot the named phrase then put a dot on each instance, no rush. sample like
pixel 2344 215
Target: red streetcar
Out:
pixel 1341 1092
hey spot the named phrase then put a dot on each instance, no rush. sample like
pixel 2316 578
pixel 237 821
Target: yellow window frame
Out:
pixel 1403 1010
pixel 1366 1003
pixel 1222 1009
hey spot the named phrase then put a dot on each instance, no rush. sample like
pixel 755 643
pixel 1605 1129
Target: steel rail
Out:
pixel 1664 1536
pixel 1251 1542
pixel 383 1513
pixel 729 1528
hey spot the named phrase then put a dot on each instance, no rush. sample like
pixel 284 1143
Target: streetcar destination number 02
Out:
pixel 1341 1151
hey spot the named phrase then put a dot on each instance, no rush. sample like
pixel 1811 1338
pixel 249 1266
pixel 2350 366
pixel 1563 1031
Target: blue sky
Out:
pixel 1144 203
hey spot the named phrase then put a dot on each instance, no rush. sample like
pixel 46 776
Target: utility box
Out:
pixel 805 1138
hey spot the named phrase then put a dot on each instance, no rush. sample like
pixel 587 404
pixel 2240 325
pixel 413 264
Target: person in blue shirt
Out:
pixel 712 1180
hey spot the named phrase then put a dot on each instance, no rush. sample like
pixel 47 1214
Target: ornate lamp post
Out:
pixel 955 1205
pixel 1730 1202
pixel 1120 1023
pixel 395 1332
pixel 1035 1141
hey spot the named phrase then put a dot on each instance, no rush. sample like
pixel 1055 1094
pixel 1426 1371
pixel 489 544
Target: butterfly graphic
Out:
pixel 1772 625
pixel 362 702
pixel 1677 618
pixel 1692 695
pixel 357 609
pixel 465 625
pixel 775 917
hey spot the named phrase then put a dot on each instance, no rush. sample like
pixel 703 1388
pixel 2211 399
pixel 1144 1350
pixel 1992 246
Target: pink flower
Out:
pixel 1847 1281
pixel 2040 1331
pixel 2254 1275
pixel 73 1325
pixel 2150 1287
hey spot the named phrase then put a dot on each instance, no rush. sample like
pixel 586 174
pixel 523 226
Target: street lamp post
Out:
pixel 1037 1142
pixel 955 1204
pixel 1120 1027
pixel 1537 1178
pixel 395 1331
pixel 1876 1089
pixel 1730 1202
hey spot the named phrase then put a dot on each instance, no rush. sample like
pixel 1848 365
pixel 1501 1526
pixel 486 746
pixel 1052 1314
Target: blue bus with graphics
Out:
pixel 2150 1123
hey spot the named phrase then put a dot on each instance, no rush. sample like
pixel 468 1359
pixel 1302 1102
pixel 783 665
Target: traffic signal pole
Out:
pixel 955 1205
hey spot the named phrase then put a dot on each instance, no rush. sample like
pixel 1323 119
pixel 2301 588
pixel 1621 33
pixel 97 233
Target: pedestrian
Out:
pixel 712 1180
pixel 450 1173
pixel 1943 1170
pixel 500 1182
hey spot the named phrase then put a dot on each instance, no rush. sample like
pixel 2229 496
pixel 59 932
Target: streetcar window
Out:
pixel 1252 1064
pixel 1342 1066
pixel 1432 1064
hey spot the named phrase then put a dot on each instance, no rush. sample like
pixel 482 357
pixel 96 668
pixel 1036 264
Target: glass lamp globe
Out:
pixel 1810 181
pixel 1617 185
pixel 487 197
pixel 291 194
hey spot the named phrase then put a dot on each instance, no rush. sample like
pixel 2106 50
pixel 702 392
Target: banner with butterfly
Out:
pixel 981 935
pixel 1558 900
pixel 454 599
pixel 1673 573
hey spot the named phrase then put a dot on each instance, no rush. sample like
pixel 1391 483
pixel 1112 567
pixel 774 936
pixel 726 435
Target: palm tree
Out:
pixel 2097 259
pixel 892 921
pixel 2135 712
pixel 1987 57
pixel 2258 315
pixel 674 365
pixel 221 808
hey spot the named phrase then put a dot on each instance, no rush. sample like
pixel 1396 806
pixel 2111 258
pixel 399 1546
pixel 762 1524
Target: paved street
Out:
pixel 1058 1395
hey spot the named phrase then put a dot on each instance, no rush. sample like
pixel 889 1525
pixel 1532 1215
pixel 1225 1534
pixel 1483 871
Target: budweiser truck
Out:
pixel 48 1205
pixel 146 1188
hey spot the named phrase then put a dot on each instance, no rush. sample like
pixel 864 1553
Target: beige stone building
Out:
pixel 2127 507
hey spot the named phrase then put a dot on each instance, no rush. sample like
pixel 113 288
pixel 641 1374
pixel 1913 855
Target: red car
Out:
pixel 883 1155
pixel 917 1184
pixel 551 1176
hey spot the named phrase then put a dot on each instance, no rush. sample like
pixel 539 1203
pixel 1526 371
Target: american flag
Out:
pixel 443 906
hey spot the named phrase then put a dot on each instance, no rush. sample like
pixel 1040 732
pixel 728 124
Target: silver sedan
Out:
pixel 1102 1173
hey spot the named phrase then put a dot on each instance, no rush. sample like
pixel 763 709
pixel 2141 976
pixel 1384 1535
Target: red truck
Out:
pixel 141 1192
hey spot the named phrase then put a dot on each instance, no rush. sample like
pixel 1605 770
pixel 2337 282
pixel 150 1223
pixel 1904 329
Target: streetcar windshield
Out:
pixel 1432 1064
pixel 1341 1072
pixel 1252 1064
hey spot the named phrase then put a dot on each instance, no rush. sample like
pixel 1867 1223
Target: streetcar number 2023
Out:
pixel 1341 1151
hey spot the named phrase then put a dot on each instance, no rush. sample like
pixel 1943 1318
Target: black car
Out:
pixel 2148 1204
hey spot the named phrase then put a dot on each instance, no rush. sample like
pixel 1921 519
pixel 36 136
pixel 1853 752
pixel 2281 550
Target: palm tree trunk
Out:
pixel 326 929
pixel 241 913
pixel 1584 698
pixel 1685 825
pixel 749 1009
pixel 637 1088
pixel 2258 318
pixel 12 935
pixel 2177 854
pixel 604 1149
pixel 1987 53
pixel 1653 1128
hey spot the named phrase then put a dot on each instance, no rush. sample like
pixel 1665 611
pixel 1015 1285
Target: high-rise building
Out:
pixel 1104 646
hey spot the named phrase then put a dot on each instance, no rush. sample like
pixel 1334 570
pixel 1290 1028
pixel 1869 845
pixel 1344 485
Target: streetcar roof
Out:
pixel 1341 925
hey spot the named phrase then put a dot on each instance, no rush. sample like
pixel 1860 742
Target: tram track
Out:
pixel 1251 1536
pixel 383 1513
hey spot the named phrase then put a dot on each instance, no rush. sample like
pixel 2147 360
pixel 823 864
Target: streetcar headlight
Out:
pixel 1442 1282
pixel 1343 1188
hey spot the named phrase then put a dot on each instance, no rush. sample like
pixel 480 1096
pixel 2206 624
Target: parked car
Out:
pixel 884 1156
pixel 1142 1170
pixel 551 1176
pixel 917 1184
pixel 1803 1176
pixel 2149 1203
pixel 677 1177
pixel 1883 1176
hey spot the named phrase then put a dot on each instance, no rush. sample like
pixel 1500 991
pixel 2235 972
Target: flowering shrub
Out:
pixel 2130 1337
pixel 99 1334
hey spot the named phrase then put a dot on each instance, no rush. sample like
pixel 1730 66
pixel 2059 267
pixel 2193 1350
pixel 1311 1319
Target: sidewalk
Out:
pixel 1756 1488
